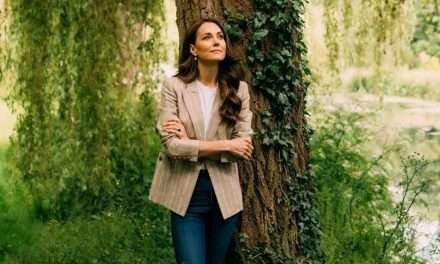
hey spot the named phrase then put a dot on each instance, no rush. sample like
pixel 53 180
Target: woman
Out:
pixel 205 127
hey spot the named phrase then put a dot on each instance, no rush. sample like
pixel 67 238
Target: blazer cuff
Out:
pixel 187 149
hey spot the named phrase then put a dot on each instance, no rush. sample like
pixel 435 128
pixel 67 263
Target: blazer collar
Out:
pixel 192 101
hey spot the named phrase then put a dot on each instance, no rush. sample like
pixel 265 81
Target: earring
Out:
pixel 195 58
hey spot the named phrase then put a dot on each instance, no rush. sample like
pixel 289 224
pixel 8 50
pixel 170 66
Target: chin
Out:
pixel 217 58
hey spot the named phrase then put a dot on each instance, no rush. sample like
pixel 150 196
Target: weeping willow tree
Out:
pixel 377 31
pixel 82 132
pixel 365 33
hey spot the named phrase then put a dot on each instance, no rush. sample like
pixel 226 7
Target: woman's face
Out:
pixel 210 44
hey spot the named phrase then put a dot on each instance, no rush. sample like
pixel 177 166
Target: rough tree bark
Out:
pixel 263 179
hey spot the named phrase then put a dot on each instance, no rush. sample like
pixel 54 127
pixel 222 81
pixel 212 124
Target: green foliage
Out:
pixel 136 233
pixel 333 34
pixel 276 55
pixel 85 144
pixel 262 251
pixel 427 33
pixel 281 74
pixel 3 55
pixel 18 226
pixel 363 33
pixel 83 140
pixel 360 222
pixel 107 238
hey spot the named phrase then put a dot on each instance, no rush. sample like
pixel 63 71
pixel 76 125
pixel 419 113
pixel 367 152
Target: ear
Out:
pixel 193 49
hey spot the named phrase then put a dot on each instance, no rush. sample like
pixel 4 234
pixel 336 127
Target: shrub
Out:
pixel 356 212
pixel 107 238
pixel 18 225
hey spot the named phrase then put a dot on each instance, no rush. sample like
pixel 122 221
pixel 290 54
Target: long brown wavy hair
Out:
pixel 228 76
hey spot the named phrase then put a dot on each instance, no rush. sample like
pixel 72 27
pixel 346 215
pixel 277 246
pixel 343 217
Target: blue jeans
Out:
pixel 202 236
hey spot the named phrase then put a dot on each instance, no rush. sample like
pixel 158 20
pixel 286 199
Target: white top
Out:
pixel 207 96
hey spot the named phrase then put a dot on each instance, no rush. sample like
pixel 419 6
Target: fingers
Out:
pixel 250 147
pixel 175 127
pixel 172 126
pixel 173 121
pixel 248 144
pixel 247 149
pixel 174 131
pixel 248 153
pixel 244 147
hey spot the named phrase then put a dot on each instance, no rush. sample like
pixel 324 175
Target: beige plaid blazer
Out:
pixel 177 169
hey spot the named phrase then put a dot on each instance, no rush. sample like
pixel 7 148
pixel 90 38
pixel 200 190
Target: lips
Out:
pixel 217 51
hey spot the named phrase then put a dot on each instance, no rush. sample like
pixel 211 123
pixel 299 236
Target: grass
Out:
pixel 109 237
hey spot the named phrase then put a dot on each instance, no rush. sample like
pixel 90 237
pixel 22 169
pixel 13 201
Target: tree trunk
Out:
pixel 269 220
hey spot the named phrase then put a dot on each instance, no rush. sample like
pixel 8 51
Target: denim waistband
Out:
pixel 203 172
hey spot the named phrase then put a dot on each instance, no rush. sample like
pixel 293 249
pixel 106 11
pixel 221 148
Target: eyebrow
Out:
pixel 209 33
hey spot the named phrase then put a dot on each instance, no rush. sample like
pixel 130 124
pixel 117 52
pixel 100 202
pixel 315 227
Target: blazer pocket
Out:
pixel 164 164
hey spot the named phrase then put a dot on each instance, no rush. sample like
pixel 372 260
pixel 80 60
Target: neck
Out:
pixel 208 74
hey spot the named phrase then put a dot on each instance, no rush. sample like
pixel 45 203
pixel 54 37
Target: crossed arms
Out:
pixel 179 146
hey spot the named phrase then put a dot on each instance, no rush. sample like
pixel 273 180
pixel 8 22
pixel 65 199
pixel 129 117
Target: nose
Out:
pixel 216 41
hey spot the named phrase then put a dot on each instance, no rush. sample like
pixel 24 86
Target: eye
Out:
pixel 221 36
pixel 206 37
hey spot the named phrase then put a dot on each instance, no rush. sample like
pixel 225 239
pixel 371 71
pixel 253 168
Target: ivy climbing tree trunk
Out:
pixel 279 223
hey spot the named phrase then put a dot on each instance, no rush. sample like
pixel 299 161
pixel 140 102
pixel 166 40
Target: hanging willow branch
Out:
pixel 71 60
pixel 366 33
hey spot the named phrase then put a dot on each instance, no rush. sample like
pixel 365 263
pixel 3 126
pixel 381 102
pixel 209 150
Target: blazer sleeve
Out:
pixel 243 127
pixel 186 149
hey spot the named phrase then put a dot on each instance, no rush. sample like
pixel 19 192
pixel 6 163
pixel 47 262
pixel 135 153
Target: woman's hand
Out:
pixel 241 147
pixel 175 126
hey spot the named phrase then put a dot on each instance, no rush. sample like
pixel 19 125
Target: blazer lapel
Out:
pixel 192 102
